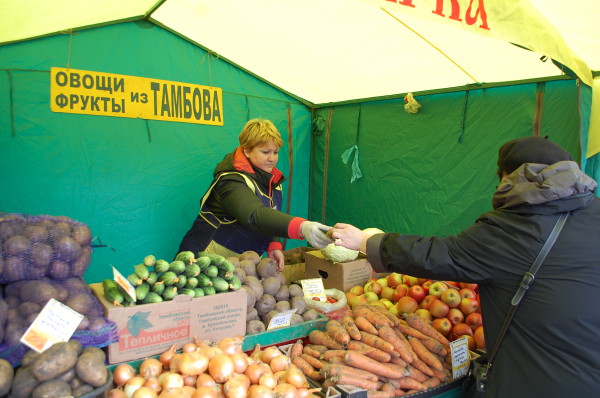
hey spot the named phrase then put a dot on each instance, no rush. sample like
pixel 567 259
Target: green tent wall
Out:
pixel 136 183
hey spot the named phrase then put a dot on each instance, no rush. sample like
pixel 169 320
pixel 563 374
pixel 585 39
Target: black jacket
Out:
pixel 551 348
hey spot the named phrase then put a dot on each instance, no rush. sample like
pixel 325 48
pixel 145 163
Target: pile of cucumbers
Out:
pixel 156 281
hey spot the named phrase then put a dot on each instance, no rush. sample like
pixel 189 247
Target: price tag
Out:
pixel 282 319
pixel 124 283
pixel 459 349
pixel 313 289
pixel 55 323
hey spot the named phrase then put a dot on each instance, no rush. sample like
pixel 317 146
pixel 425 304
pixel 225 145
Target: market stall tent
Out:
pixel 331 74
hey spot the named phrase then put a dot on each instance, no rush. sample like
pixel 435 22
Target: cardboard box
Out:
pixel 150 329
pixel 341 276
pixel 295 264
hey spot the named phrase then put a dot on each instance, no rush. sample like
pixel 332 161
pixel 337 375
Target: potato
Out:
pixel 90 367
pixel 265 304
pixel 271 285
pixel 299 304
pixel 296 319
pixel 252 314
pixel 296 290
pixel 55 361
pixel 23 383
pixel 266 267
pixel 283 294
pixel 255 285
pixel 7 374
pixel 82 390
pixel 29 357
pixel 310 315
pixel 282 306
pixel 51 388
pixel 267 317
pixel 254 326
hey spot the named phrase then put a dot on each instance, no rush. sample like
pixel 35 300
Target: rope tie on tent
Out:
pixel 148 129
pixel 326 166
pixel 539 108
pixel 463 118
pixel 70 33
pixel 356 173
pixel 12 103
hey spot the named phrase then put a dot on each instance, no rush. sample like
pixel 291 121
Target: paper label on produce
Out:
pixel 460 357
pixel 124 283
pixel 313 289
pixel 55 323
pixel 282 319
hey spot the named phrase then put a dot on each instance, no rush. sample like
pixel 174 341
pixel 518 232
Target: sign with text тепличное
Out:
pixel 108 94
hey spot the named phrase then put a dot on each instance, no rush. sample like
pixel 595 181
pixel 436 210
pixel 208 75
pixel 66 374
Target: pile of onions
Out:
pixel 213 370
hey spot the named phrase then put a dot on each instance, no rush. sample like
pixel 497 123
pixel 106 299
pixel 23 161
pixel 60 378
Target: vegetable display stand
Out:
pixel 285 334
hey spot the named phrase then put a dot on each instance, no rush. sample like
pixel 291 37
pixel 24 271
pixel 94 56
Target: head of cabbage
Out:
pixel 338 254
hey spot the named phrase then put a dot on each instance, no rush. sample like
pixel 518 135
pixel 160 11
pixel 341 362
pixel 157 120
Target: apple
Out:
pixel 417 292
pixel 374 287
pixel 382 281
pixel 394 279
pixel 425 314
pixel 378 303
pixel 357 300
pixel 407 304
pixel 387 293
pixel 358 290
pixel 426 285
pixel 420 281
pixel 479 337
pixel 350 295
pixel 399 291
pixel 439 309
pixel 426 303
pixel 460 329
pixel 472 286
pixel 470 341
pixel 437 288
pixel 410 280
pixel 452 283
pixel 442 325
pixel 451 297
pixel 455 315
pixel 467 293
pixel 394 311
pixel 474 320
pixel 468 305
pixel 387 303
pixel 370 296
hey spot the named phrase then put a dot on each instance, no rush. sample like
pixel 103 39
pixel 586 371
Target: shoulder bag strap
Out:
pixel 527 280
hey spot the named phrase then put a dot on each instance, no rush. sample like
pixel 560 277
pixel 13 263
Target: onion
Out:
pixel 173 393
pixel 192 363
pixel 170 380
pixel 116 393
pixel 189 380
pixel 205 392
pixel 256 354
pixel 285 390
pixel 153 383
pixel 268 380
pixel 279 362
pixel 210 351
pixel 132 385
pixel 165 357
pixel 144 392
pixel 174 365
pixel 123 373
pixel 221 368
pixel 205 380
pixel 256 391
pixel 240 362
pixel 187 391
pixel 269 353
pixel 189 347
pixel 150 367
pixel 256 370
pixel 304 392
pixel 230 345
pixel 235 388
pixel 295 377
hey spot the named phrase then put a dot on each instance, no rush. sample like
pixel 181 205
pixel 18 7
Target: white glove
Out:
pixel 315 234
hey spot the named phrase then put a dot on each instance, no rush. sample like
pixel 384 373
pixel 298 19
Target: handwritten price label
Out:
pixel 281 320
pixel 313 289
pixel 460 357
pixel 124 283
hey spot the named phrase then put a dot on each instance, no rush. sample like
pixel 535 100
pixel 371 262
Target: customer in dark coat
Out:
pixel 552 346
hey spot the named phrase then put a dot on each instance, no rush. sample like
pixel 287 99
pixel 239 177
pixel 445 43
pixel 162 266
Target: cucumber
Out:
pixel 161 266
pixel 152 278
pixel 149 260
pixel 168 278
pixel 169 293
pixel 141 291
pixel 188 292
pixel 235 283
pixel 192 282
pixel 226 265
pixel 224 274
pixel 204 280
pixel 209 290
pixel 186 256
pixel 152 298
pixel 181 281
pixel 177 266
pixel 134 279
pixel 109 284
pixel 215 259
pixel 198 292
pixel 141 270
pixel 192 270
pixel 203 262
pixel 114 296
pixel 158 288
pixel 211 271
pixel 220 284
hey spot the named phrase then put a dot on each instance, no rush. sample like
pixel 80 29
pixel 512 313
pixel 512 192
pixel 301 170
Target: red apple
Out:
pixel 439 309
pixel 394 279
pixel 452 283
pixel 467 293
pixel 426 303
pixel 374 287
pixel 358 290
pixel 399 291
pixel 479 337
pixel 442 325
pixel 420 281
pixel 474 320
pixel 425 314
pixel 455 315
pixel 451 297
pixel 460 329
pixel 410 280
pixel 417 292
pixel 470 341
pixel 387 293
pixel 437 288
pixel 426 285
pixel 468 305
pixel 407 304
pixel 472 286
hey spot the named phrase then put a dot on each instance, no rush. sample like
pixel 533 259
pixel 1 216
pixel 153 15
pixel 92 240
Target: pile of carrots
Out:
pixel 372 349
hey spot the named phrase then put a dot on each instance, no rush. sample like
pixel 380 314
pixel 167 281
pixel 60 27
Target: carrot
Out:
pixel 377 342
pixel 410 331
pixel 398 361
pixel 443 375
pixel 424 354
pixel 322 338
pixel 296 349
pixel 314 362
pixel 327 384
pixel 351 328
pixel 415 373
pixel 356 381
pixel 407 353
pixel 306 368
pixel 336 360
pixel 434 346
pixel 337 332
pixel 390 335
pixel 419 323
pixel 391 317
pixel 363 362
pixel 311 351
pixel 337 369
pixel 371 352
pixel 321 348
pixel 375 317
pixel 422 367
pixel 332 353
pixel 380 394
pixel 363 324
pixel 408 383
pixel 431 382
